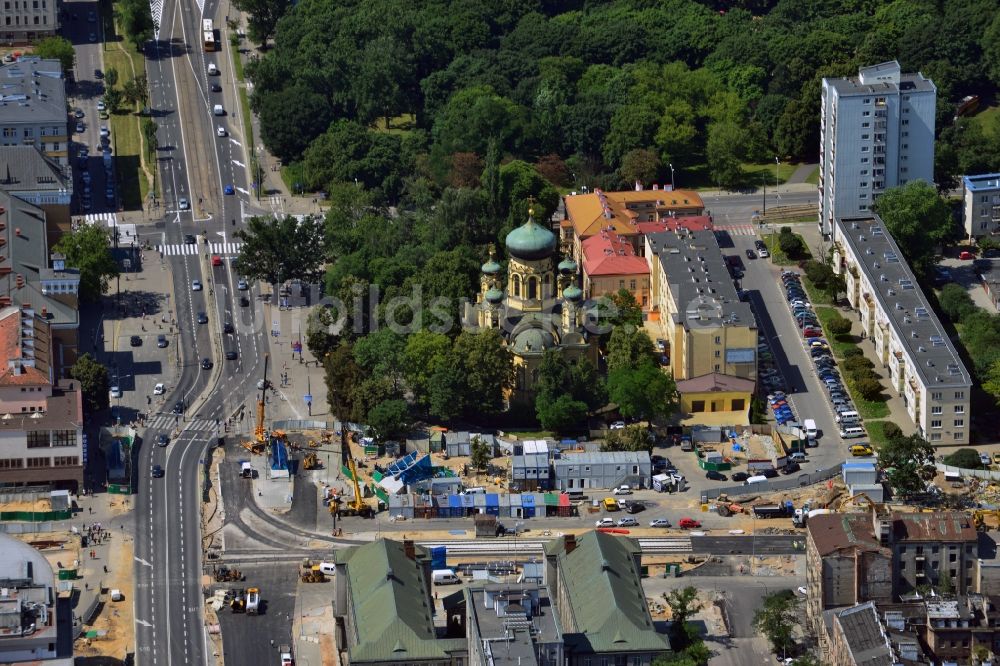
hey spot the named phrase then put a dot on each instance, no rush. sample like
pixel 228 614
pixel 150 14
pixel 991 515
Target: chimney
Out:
pixel 409 550
pixel 569 542
pixel 45 313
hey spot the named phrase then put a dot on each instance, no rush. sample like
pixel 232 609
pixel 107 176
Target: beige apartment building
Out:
pixel 706 326
pixel 924 367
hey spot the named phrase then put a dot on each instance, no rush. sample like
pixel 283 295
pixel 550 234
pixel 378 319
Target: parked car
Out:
pixel 159 389
pixel 740 476
pixel 791 468
pixel 161 340
pixel 965 255
pixel 206 364
pixel 135 341
pixel 627 521
pixel 689 524
pixel 178 407
pixel 622 490
pixel 116 392
pixel 605 522
pixel 242 285
pixel 659 522
pixel 713 475
pixel 751 254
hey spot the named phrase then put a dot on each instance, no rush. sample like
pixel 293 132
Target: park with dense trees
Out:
pixel 429 125
pixel 593 92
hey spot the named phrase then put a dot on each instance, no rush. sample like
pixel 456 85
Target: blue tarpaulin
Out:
pixel 455 506
pixel 439 557
pixel 279 456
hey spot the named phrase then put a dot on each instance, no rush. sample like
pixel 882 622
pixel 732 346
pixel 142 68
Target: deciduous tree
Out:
pixel 777 618
pixel 262 17
pixel 94 384
pixel 277 249
pixel 88 249
pixel 57 48
pixel 918 219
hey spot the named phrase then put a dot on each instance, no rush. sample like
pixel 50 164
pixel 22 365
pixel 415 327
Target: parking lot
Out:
pixel 787 364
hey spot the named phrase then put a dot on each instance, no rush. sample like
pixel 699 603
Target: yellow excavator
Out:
pixel 853 499
pixel 986 519
pixel 258 444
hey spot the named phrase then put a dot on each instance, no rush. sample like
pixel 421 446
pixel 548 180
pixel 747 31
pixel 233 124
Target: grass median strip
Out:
pixel 133 180
pixel 869 409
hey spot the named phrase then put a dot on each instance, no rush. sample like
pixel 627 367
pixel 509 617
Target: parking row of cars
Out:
pixel 825 365
pixel 629 521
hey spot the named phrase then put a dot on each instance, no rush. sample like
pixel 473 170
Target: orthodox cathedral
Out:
pixel 539 309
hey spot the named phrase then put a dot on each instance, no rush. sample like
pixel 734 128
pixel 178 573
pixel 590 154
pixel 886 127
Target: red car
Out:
pixel 965 255
pixel 688 524
pixel 812 332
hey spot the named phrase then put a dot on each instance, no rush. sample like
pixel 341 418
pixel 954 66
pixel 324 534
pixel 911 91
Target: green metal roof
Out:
pixel 530 241
pixel 392 613
pixel 605 596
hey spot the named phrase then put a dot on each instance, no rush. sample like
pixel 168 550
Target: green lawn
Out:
pixel 813 177
pixel 816 297
pixel 876 432
pixel 244 101
pixel 134 179
pixel 778 258
pixel 988 119
pixel 869 409
pixel 763 174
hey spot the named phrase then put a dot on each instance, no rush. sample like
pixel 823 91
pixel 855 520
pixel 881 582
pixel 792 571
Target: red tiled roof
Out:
pixel 10 350
pixel 607 253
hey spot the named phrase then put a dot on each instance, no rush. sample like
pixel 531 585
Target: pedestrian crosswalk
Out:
pixel 171 421
pixel 178 249
pixel 101 219
pixel 737 229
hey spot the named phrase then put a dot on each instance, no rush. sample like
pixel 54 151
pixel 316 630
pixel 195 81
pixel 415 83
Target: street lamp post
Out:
pixel 776 165
pixel 671 176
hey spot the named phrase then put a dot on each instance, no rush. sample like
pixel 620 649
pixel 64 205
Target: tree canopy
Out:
pixel 620 91
pixel 87 249
pixel 279 249
pixel 918 219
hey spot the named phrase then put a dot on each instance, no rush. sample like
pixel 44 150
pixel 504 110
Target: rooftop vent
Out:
pixel 913 334
pixel 930 363
pixel 921 312
pixel 937 341
pixel 882 277
pixel 898 306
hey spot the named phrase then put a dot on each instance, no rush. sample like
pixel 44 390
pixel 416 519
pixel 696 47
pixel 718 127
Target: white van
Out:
pixel 218 110
pixel 756 479
pixel 328 568
pixel 212 69
pixel 445 577
pixel 474 491
pixel 848 417
pixel 809 427
pixel 850 432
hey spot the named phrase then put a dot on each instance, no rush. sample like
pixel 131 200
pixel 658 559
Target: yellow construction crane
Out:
pixel 259 442
pixel 357 506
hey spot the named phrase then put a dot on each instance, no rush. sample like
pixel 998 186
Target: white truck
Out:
pixel 253 601
pixel 286 655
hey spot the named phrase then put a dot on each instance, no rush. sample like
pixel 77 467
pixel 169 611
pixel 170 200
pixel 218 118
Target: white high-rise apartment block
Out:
pixel 876 132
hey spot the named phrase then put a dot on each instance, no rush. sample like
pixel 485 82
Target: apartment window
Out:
pixel 863 195
pixel 905 146
pixel 621 284
pixel 631 285
pixel 11 463
pixel 952 557
pixel 864 137
pixel 906 121
pixel 717 367
pixel 43 461
pixel 697 405
pixel 868 100
pixel 864 160
pixel 959 409
pixel 902 565
pixel 906 134
pixel 864 183
pixel 864 172
pixel 936 395
pixel 38 439
pixel 65 461
pixel 935 437
pixel 739 404
pixel 959 395
pixel 903 170
pixel 936 409
pixel 959 423
pixel 718 353
pixel 64 438
pixel 718 339
pixel 863 207
pixel 906 110
pixel 865 124
pixel 864 149
pixel 936 423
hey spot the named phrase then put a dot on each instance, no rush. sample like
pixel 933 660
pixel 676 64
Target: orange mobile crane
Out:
pixel 357 506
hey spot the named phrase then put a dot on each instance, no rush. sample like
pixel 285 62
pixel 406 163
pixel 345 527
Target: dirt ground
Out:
pixel 39 505
pixel 115 618
pixel 709 612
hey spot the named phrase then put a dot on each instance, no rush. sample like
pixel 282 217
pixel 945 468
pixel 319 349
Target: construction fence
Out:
pixel 774 485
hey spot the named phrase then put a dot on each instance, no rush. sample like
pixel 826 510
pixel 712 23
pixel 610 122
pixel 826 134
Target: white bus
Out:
pixel 208 30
